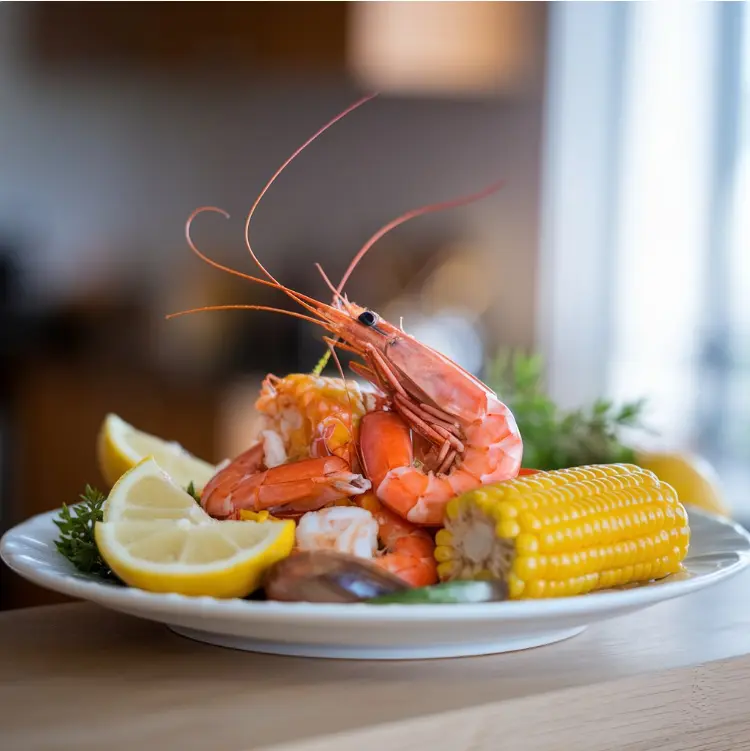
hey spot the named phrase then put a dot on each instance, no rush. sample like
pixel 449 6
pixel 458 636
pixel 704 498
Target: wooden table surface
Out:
pixel 675 676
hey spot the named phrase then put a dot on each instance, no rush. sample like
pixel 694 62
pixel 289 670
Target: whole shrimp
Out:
pixel 442 431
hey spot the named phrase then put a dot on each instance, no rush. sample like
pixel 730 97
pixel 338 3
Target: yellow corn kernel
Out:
pixel 508 528
pixel 453 509
pixel 444 553
pixel 443 537
pixel 515 586
pixel 567 532
pixel 445 570
pixel 525 544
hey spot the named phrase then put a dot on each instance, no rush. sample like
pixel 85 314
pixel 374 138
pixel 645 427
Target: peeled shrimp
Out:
pixel 372 531
pixel 345 529
pixel 287 490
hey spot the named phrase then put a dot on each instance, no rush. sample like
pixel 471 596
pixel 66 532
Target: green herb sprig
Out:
pixel 554 438
pixel 321 364
pixel 76 541
pixel 190 490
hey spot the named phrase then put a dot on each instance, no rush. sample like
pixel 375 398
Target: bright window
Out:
pixel 659 304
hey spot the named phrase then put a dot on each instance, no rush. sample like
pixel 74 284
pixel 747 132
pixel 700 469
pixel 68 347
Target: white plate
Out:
pixel 718 549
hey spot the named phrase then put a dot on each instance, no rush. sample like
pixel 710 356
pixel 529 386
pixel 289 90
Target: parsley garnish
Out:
pixel 76 541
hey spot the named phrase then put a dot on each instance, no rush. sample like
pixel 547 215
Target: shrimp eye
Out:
pixel 367 318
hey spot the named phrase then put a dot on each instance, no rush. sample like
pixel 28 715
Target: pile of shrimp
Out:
pixel 310 416
pixel 366 467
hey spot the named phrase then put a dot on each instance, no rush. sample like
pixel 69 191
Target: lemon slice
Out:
pixel 220 559
pixel 120 447
pixel 147 493
pixel 155 537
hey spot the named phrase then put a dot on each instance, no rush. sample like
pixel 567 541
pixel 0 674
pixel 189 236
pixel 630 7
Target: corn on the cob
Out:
pixel 565 532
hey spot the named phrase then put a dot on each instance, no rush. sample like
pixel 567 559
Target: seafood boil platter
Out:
pixel 380 514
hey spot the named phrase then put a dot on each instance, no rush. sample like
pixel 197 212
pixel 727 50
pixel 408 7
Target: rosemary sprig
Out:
pixel 76 541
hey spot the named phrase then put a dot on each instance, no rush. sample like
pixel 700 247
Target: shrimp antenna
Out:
pixel 210 308
pixel 329 283
pixel 429 209
pixel 303 300
pixel 210 261
pixel 322 130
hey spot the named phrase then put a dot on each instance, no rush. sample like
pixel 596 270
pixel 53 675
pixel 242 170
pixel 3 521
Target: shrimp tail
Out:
pixel 407 549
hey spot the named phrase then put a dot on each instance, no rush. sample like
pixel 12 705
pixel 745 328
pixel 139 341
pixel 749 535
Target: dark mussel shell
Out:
pixel 327 576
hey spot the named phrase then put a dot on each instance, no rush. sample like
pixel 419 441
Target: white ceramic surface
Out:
pixel 718 549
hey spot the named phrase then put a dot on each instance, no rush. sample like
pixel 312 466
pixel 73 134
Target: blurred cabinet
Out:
pixel 254 37
pixel 416 48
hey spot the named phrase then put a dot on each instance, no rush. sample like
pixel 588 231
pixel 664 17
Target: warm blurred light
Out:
pixel 460 282
pixel 441 46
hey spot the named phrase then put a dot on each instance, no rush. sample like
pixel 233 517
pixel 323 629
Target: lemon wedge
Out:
pixel 120 447
pixel 692 476
pixel 154 536
pixel 147 493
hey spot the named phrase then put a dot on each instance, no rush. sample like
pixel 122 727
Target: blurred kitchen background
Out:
pixel 618 248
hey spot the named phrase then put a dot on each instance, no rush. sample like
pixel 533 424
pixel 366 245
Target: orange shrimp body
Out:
pixel 402 477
